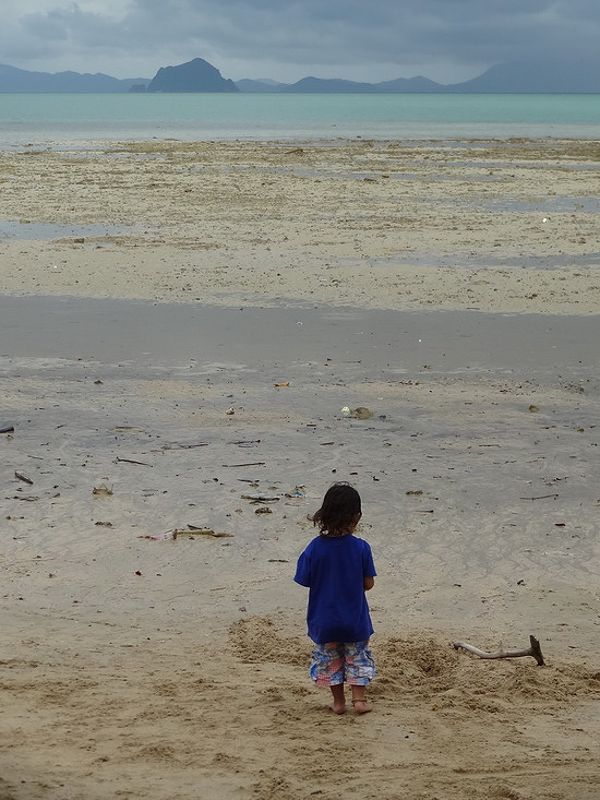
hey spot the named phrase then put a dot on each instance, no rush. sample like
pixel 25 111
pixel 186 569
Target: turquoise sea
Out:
pixel 54 119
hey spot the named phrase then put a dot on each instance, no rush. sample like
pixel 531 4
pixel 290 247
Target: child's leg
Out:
pixel 339 699
pixel 360 671
pixel 327 669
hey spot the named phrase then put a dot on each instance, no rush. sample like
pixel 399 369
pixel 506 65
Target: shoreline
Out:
pixel 449 142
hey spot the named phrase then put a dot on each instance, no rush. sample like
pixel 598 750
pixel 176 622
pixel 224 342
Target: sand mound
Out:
pixel 257 640
pixel 429 668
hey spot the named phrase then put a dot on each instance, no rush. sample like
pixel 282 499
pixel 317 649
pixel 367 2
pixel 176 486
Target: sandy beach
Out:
pixel 180 327
pixel 368 224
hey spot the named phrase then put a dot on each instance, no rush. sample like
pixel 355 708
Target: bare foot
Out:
pixel 361 707
pixel 338 708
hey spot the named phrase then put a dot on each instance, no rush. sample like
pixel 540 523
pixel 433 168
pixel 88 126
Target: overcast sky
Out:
pixel 447 40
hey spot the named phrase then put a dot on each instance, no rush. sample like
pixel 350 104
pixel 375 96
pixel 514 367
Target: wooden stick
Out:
pixel 533 650
pixel 183 445
pixel 249 464
pixel 120 460
pixel 259 498
pixel 541 497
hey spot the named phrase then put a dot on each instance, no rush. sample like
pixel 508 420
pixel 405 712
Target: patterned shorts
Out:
pixel 342 662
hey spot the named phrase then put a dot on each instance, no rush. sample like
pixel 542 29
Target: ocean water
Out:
pixel 56 119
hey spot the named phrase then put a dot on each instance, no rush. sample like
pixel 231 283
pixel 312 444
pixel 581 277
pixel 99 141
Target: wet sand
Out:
pixel 367 341
pixel 143 668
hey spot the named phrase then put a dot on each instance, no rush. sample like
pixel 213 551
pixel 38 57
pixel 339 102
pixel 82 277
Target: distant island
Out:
pixel 13 79
pixel 193 76
pixel 550 76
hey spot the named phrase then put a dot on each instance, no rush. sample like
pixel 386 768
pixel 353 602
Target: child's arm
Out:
pixel 368 568
pixel 302 575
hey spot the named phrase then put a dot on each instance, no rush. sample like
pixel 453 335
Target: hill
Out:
pixel 548 76
pixel 13 79
pixel 258 86
pixel 327 85
pixel 193 76
pixel 338 85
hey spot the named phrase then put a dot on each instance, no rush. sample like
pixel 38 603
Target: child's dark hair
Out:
pixel 340 510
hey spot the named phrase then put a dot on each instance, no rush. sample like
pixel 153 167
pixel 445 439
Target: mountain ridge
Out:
pixel 549 76
pixel 14 79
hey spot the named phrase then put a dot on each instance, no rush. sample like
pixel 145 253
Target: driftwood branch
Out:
pixel 183 445
pixel 249 464
pixel 534 650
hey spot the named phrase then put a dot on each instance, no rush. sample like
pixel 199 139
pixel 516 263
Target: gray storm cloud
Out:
pixel 295 35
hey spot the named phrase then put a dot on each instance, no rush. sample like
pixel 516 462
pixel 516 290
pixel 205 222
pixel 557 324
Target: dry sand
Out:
pixel 189 679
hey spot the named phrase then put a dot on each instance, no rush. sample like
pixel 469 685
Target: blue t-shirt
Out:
pixel 334 569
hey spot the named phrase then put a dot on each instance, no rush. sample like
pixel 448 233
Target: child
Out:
pixel 338 569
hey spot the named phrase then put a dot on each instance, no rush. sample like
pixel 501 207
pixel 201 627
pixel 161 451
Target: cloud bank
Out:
pixel 446 40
